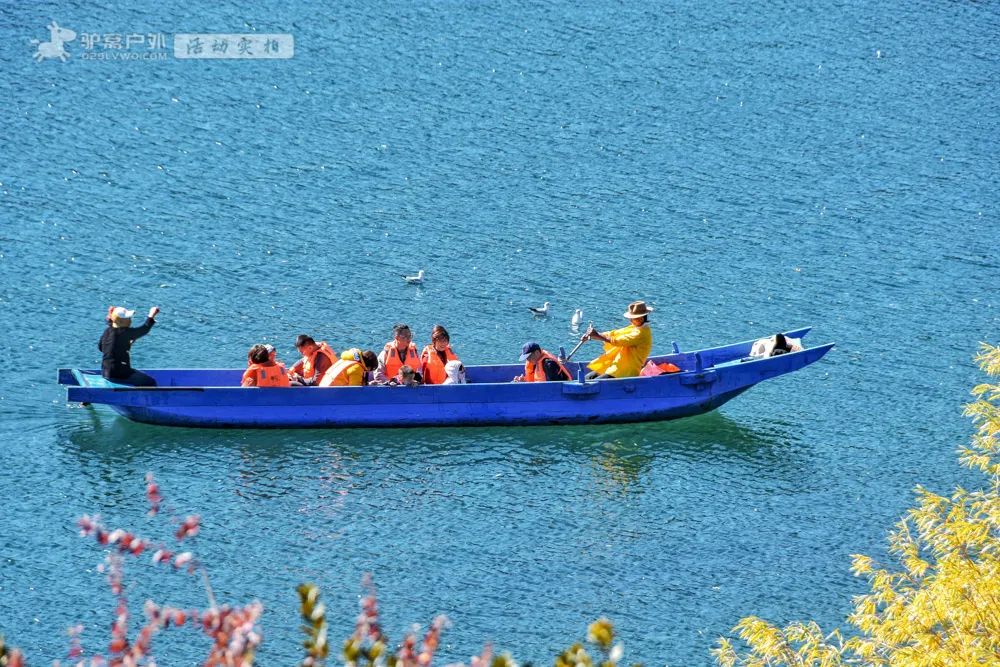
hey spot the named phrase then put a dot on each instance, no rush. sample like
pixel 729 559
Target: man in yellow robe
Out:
pixel 626 349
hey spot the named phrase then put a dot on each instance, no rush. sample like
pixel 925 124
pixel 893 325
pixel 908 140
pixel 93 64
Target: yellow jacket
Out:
pixel 626 353
pixel 348 371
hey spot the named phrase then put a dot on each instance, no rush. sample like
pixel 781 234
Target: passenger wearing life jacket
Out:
pixel 541 365
pixel 625 349
pixel 263 371
pixel 351 369
pixel 436 355
pixel 398 352
pixel 316 360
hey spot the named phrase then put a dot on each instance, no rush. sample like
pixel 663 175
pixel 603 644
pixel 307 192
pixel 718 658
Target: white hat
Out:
pixel 455 371
pixel 120 313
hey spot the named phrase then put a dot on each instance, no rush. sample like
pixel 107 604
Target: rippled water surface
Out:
pixel 744 168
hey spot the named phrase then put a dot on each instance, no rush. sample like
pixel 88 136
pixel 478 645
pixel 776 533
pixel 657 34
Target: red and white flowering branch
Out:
pixel 431 641
pixel 128 544
pixel 233 630
pixel 366 626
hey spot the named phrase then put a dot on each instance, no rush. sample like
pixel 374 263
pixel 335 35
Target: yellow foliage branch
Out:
pixel 942 606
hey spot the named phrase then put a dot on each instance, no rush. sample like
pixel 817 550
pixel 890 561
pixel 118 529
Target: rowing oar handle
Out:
pixel 582 341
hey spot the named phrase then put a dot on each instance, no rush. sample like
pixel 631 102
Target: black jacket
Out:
pixel 115 345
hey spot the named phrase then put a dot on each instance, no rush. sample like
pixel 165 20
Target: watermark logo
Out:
pixel 54 47
pixel 153 46
pixel 124 46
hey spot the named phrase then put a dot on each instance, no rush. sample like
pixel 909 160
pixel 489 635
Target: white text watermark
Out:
pixel 241 46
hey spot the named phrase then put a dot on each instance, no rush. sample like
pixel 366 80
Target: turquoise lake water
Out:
pixel 744 168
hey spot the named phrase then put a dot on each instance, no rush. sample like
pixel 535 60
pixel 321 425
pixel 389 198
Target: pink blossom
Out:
pixel 189 528
pixel 87 525
pixel 153 494
pixel 484 658
pixel 162 555
pixel 137 546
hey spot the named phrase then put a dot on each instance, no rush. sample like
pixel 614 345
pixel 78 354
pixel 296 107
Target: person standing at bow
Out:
pixel 116 345
pixel 434 356
pixel 625 349
pixel 398 352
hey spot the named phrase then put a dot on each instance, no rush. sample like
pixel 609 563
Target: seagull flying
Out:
pixel 540 312
pixel 415 280
pixel 577 318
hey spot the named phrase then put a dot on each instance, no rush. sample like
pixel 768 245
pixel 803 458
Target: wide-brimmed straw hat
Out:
pixel 637 309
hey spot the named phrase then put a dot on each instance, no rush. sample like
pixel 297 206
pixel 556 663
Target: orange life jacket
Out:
pixel 433 367
pixel 265 375
pixel 393 363
pixel 309 363
pixel 533 372
pixel 337 376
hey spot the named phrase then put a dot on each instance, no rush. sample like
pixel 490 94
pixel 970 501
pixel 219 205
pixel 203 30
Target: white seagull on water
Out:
pixel 415 280
pixel 577 318
pixel 540 312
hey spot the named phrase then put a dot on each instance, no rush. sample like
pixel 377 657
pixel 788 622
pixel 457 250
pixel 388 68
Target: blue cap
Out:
pixel 528 348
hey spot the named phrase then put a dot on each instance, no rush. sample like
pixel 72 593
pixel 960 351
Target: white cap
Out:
pixel 120 313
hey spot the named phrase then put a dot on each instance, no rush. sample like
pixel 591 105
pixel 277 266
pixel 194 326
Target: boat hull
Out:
pixel 212 398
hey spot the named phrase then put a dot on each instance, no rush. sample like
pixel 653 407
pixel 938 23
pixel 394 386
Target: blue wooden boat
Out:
pixel 213 398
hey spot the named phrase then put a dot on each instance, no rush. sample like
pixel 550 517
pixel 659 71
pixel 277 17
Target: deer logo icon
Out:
pixel 54 47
